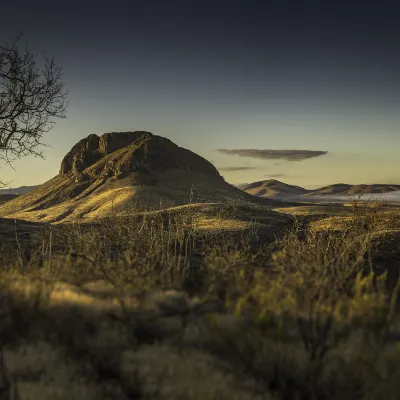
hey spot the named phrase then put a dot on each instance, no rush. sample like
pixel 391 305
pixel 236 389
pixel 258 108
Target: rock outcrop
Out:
pixel 119 153
pixel 91 149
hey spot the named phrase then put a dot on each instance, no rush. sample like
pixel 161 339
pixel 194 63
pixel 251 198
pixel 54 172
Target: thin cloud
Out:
pixel 267 154
pixel 235 168
pixel 276 175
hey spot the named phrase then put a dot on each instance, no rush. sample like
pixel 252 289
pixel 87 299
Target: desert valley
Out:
pixel 143 264
pixel 200 200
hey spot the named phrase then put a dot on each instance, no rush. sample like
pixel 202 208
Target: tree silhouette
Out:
pixel 31 98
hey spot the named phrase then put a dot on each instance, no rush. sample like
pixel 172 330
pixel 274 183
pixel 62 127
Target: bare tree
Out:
pixel 31 98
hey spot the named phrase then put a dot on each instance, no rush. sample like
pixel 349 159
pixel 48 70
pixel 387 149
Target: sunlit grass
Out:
pixel 153 304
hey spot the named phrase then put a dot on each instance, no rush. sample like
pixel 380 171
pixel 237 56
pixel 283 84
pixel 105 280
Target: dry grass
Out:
pixel 62 199
pixel 317 209
pixel 177 304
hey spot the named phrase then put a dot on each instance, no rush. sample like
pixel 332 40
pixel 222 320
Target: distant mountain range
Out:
pixel 18 190
pixel 344 189
pixel 274 189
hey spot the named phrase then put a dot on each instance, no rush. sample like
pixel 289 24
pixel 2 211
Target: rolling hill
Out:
pixel 273 189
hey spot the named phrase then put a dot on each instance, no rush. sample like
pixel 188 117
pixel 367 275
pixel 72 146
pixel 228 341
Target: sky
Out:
pixel 305 91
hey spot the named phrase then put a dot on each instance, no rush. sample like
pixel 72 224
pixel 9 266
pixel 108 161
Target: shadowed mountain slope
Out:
pixel 7 197
pixel 118 170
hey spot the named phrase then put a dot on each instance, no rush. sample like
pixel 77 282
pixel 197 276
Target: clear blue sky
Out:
pixel 237 75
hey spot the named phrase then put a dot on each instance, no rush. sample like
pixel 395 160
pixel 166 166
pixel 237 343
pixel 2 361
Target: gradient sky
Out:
pixel 232 75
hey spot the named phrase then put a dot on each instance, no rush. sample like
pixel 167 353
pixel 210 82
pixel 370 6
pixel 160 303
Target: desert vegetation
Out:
pixel 174 304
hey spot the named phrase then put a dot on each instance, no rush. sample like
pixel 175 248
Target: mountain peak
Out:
pixel 112 172
pixel 92 148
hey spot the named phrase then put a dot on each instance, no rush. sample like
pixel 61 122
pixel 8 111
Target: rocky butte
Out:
pixel 110 173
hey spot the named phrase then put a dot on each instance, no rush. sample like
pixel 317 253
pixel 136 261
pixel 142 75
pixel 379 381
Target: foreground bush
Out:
pixel 176 313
